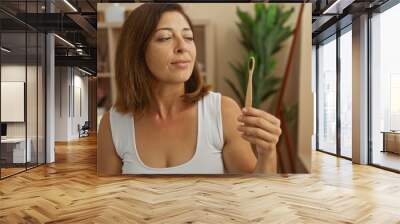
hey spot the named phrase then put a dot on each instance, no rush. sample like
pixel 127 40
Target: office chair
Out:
pixel 84 130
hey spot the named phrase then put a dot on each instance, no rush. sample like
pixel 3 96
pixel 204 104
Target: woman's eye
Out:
pixel 164 38
pixel 189 38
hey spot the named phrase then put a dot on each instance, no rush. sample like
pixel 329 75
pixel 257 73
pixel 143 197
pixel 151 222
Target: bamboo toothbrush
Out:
pixel 249 93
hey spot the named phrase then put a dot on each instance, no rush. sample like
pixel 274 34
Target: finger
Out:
pixel 260 123
pixel 258 133
pixel 251 111
pixel 255 141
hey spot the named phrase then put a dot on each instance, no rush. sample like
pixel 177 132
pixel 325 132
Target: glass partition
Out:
pixel 22 64
pixel 13 109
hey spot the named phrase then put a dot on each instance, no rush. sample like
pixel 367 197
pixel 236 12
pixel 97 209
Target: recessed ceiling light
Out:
pixel 5 50
pixel 84 71
pixel 70 5
pixel 337 7
pixel 65 41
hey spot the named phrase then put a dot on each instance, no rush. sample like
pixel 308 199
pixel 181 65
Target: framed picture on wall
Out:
pixel 12 98
pixel 203 34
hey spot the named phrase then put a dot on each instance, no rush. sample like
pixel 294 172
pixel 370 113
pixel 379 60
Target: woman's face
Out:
pixel 171 52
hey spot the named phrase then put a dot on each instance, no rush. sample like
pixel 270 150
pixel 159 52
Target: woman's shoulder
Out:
pixel 230 111
pixel 229 107
pixel 225 100
pixel 105 121
pixel 226 106
pixel 229 103
pixel 108 161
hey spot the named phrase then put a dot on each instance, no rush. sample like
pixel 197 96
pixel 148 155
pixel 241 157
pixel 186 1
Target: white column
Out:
pixel 360 90
pixel 50 93
pixel 50 109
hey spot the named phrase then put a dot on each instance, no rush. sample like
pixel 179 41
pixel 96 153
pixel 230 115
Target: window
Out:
pixel 346 93
pixel 385 89
pixel 327 96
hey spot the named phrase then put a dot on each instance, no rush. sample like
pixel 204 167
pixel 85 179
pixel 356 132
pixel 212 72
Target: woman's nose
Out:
pixel 181 45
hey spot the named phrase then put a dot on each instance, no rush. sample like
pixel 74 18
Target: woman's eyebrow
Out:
pixel 170 29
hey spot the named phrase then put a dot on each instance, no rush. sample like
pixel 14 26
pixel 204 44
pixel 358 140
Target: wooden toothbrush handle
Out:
pixel 249 93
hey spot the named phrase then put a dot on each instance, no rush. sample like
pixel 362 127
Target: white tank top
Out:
pixel 207 158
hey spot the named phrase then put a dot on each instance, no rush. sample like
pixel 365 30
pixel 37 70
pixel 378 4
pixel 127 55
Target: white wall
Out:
pixel 80 83
pixel 33 127
pixel 67 115
pixel 12 73
pixel 61 103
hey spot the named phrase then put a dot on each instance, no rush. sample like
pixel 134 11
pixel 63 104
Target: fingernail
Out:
pixel 244 110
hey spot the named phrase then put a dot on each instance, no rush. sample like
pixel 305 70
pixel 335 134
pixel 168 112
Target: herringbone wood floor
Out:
pixel 70 192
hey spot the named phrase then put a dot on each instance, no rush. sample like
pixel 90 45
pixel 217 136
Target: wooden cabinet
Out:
pixel 391 142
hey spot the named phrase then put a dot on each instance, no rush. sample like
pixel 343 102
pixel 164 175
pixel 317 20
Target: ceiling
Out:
pixel 331 15
pixel 76 24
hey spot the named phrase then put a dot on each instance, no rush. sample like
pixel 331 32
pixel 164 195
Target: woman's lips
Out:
pixel 181 64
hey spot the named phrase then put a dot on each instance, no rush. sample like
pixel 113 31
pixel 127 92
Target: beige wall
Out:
pixel 305 96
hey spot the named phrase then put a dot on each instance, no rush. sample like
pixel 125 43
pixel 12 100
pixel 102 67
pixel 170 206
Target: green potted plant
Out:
pixel 262 37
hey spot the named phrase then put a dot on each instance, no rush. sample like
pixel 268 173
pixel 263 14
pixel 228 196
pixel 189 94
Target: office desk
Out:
pixel 13 150
pixel 391 141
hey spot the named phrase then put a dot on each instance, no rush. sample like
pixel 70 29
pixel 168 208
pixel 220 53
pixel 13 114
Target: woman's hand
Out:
pixel 262 129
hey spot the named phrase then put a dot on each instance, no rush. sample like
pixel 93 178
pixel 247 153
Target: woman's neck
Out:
pixel 168 101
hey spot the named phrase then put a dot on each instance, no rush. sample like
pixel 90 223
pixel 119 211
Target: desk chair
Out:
pixel 84 130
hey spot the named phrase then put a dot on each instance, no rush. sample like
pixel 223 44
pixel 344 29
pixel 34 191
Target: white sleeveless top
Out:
pixel 207 158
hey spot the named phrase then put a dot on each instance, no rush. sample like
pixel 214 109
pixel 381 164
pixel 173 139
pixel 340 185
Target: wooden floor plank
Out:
pixel 69 191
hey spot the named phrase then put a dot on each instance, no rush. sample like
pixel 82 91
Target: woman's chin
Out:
pixel 180 78
pixel 175 81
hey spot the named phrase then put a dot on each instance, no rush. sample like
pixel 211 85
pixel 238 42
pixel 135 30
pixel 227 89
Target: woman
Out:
pixel 165 120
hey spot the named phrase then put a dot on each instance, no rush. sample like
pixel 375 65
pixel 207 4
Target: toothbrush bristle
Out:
pixel 251 63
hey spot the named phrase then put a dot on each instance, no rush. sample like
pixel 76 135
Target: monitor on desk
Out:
pixel 3 130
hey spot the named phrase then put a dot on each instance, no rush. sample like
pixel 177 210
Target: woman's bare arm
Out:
pixel 108 161
pixel 237 153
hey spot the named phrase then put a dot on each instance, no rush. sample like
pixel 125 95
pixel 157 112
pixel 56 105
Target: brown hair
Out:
pixel 133 77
